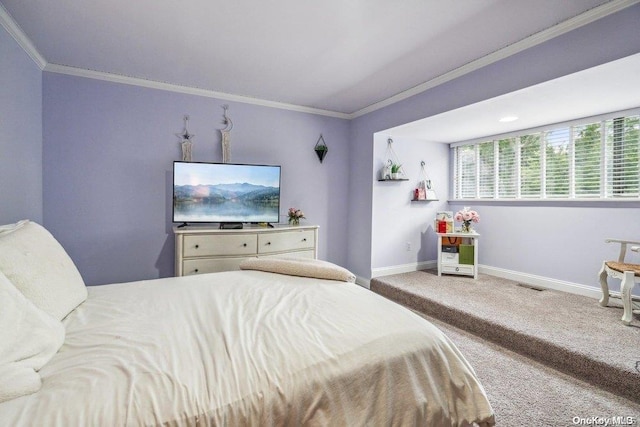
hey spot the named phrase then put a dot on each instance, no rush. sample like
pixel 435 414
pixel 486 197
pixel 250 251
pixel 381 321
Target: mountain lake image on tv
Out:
pixel 225 192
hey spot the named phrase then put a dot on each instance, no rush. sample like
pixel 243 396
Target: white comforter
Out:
pixel 249 348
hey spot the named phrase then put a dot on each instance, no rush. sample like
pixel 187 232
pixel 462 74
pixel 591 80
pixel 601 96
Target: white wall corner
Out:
pixel 365 283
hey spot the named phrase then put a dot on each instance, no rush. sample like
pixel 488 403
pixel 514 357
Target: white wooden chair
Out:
pixel 629 274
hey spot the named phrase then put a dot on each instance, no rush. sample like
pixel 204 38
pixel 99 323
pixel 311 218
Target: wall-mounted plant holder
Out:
pixel 424 192
pixel 392 169
pixel 321 148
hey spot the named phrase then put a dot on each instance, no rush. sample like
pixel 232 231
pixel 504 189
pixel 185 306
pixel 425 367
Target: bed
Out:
pixel 249 347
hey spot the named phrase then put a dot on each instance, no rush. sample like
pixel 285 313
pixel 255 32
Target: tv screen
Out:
pixel 225 192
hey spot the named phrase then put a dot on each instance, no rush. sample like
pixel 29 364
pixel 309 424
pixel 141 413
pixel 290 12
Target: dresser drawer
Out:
pixel 209 249
pixel 310 254
pixel 457 269
pixel 210 265
pixel 286 241
pixel 207 245
pixel 449 258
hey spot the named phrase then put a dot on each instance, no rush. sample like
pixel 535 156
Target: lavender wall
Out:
pixel 562 242
pixel 21 133
pixel 610 38
pixel 108 150
pixel 108 153
pixel 396 220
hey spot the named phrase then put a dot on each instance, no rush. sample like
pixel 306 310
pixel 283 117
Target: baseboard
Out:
pixel 516 276
pixel 549 283
pixel 404 268
pixel 543 282
pixel 395 269
pixel 526 278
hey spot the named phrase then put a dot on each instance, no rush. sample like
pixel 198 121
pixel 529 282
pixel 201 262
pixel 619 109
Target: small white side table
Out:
pixel 448 263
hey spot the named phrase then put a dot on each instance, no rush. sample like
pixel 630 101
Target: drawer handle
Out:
pixel 196 270
pixel 457 268
pixel 304 240
pixel 268 243
pixel 197 246
pixel 244 244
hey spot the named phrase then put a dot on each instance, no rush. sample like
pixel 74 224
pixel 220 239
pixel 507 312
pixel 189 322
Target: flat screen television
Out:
pixel 225 193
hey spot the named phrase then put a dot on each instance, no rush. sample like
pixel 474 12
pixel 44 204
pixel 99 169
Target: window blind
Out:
pixel 486 180
pixel 531 166
pixel 556 162
pixel 588 158
pixel 623 172
pixel 507 168
pixel 466 171
pixel 597 159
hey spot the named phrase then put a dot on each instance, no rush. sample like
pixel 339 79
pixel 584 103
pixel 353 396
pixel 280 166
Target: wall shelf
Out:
pixel 424 200
pixel 399 179
pixel 424 187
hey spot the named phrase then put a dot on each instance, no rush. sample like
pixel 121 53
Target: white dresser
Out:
pixel 208 249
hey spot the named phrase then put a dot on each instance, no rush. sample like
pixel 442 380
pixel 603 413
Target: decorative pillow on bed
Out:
pixel 29 338
pixel 33 260
pixel 300 267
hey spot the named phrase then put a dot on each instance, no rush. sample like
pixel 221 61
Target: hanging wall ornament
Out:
pixel 185 141
pixel 424 189
pixel 321 148
pixel 226 136
pixel 391 169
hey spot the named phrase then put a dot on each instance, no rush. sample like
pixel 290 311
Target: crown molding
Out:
pixel 570 24
pixel 16 32
pixel 517 47
pixel 135 81
pixel 7 21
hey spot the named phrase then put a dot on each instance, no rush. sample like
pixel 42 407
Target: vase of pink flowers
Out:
pixel 466 216
pixel 295 215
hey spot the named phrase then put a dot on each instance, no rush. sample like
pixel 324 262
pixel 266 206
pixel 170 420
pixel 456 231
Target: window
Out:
pixel 597 160
pixel 531 169
pixel 507 170
pixel 467 169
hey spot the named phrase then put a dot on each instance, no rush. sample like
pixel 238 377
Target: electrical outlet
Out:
pixel 408 246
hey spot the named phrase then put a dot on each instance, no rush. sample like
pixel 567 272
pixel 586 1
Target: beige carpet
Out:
pixel 569 333
pixel 523 392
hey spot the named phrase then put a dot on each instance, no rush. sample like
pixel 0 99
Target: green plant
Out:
pixel 321 151
pixel 395 167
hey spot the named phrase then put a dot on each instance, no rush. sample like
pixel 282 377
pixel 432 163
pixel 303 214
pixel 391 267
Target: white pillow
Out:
pixel 33 260
pixel 12 227
pixel 29 338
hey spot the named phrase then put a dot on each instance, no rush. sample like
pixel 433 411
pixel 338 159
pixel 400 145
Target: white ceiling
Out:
pixel 610 87
pixel 333 55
